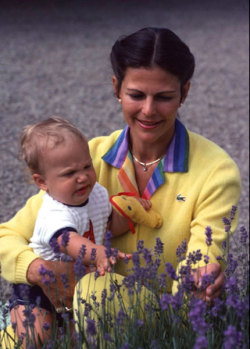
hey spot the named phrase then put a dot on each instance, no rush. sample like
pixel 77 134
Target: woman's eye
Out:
pixel 136 96
pixel 164 98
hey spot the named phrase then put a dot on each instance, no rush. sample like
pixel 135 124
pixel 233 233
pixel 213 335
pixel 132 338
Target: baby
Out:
pixel 74 206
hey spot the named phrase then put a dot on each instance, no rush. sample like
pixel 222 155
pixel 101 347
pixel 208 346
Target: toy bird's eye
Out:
pixel 130 208
pixel 124 198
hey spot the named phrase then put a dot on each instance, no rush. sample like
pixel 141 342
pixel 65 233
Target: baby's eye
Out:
pixel 69 174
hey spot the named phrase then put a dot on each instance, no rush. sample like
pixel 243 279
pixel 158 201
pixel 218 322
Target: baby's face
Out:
pixel 68 172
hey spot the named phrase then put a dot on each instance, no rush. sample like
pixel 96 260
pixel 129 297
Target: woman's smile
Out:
pixel 148 124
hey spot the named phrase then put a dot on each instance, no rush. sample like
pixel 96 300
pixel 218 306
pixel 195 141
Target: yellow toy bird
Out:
pixel 127 205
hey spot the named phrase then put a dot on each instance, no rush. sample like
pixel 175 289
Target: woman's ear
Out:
pixel 40 181
pixel 185 90
pixel 115 86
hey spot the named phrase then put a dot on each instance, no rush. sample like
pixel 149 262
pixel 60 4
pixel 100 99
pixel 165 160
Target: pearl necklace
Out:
pixel 145 164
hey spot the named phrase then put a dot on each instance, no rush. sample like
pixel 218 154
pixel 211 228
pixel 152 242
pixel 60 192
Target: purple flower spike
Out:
pixel 233 212
pixel 201 342
pixel 107 243
pixel 233 338
pixel 208 233
pixel 91 329
pixel 158 247
pixel 29 318
pixel 206 259
pixel 54 245
pixel 226 221
pixel 46 326
pixel 140 245
pixel 65 239
pixel 65 280
pixel 165 301
pixel 181 250
pixel 79 268
pixel 93 255
pixel 171 272
pixel 243 235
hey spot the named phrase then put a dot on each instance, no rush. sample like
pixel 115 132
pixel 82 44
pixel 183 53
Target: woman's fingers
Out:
pixel 214 287
pixel 146 204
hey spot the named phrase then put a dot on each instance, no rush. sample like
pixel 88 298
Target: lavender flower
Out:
pixel 158 246
pixel 121 317
pixel 139 323
pixel 206 259
pixel 87 309
pixel 217 308
pixel 136 259
pixel 208 233
pixel 165 300
pixel 233 212
pixel 162 279
pixel 91 329
pixel 177 300
pixel 65 238
pixel 104 297
pixel 201 342
pixel 48 275
pixel 82 252
pixel 29 317
pixel 206 280
pixel 107 243
pixel 147 255
pixel 233 338
pixel 231 264
pixel 181 250
pixel 65 280
pixel 243 235
pixel 66 258
pixel 140 245
pixel 93 255
pixel 107 337
pixel 79 268
pixel 197 314
pixel 227 224
pixel 55 246
pixel 171 272
pixel 46 326
pixel 226 221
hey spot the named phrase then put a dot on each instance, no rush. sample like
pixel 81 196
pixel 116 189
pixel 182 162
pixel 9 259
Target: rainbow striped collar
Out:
pixel 175 160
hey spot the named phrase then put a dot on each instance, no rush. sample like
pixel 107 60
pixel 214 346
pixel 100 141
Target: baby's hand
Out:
pixel 119 255
pixel 103 263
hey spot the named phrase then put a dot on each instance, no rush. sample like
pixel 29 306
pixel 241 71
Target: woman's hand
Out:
pixel 213 290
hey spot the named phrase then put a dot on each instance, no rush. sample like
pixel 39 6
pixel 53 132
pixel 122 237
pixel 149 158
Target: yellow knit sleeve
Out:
pixel 219 193
pixel 15 254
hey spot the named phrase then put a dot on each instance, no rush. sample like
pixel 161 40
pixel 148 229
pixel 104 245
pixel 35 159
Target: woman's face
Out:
pixel 150 99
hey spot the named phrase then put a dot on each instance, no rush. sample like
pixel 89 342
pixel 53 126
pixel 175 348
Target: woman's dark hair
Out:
pixel 152 46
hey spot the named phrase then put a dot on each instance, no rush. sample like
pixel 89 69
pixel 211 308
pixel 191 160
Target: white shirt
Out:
pixel 54 215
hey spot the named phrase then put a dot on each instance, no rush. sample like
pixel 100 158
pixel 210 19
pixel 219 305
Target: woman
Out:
pixel 191 181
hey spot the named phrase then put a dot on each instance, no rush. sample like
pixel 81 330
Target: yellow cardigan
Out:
pixel 210 188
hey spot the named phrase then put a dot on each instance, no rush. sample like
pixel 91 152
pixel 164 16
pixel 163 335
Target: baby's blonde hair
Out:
pixel 45 135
